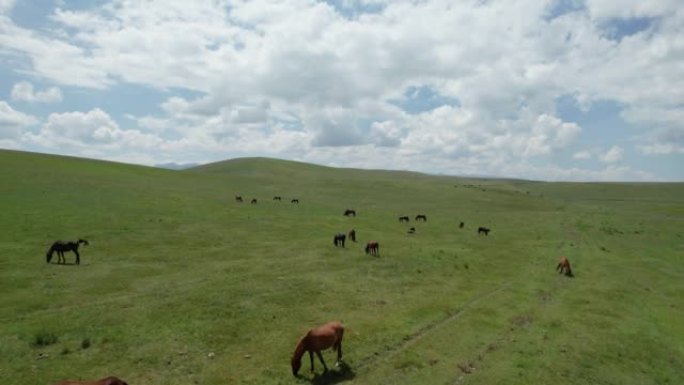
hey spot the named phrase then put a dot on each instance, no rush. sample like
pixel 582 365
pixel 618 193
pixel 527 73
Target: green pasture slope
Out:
pixel 182 285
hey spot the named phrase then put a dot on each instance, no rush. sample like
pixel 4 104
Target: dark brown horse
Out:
pixel 564 267
pixel 338 239
pixel 60 247
pixel 421 217
pixel 277 198
pixel 373 248
pixel 254 201
pixel 412 230
pixel 104 381
pixel 352 235
pixel 315 340
pixel 294 201
pixel 349 213
pixel 238 198
pixel 403 219
pixel 483 230
pixel 460 226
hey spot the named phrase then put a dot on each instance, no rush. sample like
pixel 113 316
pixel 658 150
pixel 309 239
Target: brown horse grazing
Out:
pixel 104 381
pixel 254 201
pixel 238 198
pixel 564 267
pixel 315 340
pixel 352 235
pixel 60 247
pixel 373 248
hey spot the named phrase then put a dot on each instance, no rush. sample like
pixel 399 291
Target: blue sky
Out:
pixel 548 90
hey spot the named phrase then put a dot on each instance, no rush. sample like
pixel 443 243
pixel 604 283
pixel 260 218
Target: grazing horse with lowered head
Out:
pixel 352 235
pixel 277 198
pixel 403 219
pixel 254 201
pixel 104 381
pixel 60 247
pixel 349 213
pixel 338 239
pixel 315 340
pixel 421 216
pixel 238 198
pixel 373 248
pixel 483 230
pixel 564 267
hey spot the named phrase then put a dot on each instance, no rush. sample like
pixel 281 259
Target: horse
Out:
pixel 403 219
pixel 352 235
pixel 460 226
pixel 373 248
pixel 483 230
pixel 349 213
pixel 338 239
pixel 315 340
pixel 564 267
pixel 412 230
pixel 277 198
pixel 104 381
pixel 421 216
pixel 238 198
pixel 60 247
pixel 295 201
pixel 254 201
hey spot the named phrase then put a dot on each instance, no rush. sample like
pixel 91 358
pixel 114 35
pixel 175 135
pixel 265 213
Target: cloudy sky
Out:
pixel 536 89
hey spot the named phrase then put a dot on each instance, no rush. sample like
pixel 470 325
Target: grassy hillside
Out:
pixel 181 284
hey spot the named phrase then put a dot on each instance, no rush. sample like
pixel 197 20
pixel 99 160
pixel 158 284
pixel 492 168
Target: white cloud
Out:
pixel 6 6
pixel 23 91
pixel 613 155
pixel 582 155
pixel 12 122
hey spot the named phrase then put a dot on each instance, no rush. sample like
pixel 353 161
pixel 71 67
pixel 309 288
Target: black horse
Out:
pixel 403 219
pixel 60 247
pixel 349 213
pixel 295 201
pixel 338 240
pixel 238 198
pixel 277 198
pixel 352 235
pixel 254 201
pixel 421 216
pixel 483 230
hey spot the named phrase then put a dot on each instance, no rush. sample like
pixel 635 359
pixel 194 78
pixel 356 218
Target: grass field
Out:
pixel 182 285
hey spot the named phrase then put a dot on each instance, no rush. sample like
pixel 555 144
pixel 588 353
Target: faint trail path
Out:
pixel 425 330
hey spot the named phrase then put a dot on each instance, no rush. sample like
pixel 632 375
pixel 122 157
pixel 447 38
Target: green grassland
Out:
pixel 182 285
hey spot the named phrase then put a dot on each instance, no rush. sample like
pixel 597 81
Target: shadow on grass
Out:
pixel 343 373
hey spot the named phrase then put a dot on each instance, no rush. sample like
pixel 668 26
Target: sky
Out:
pixel 557 90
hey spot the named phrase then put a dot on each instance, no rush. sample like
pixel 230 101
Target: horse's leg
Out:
pixel 78 257
pixel 320 357
pixel 339 351
pixel 311 357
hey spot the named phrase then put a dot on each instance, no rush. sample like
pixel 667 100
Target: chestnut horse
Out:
pixel 373 248
pixel 60 247
pixel 104 381
pixel 315 340
pixel 564 267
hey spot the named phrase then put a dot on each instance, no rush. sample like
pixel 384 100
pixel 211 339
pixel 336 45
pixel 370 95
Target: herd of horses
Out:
pixel 319 338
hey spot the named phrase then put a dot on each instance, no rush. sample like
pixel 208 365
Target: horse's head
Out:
pixel 83 241
pixel 296 364
pixel 48 256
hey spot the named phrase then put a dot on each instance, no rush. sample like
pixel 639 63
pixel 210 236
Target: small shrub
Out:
pixel 44 338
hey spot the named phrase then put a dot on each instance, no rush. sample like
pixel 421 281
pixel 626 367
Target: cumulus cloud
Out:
pixel 23 91
pixel 304 77
pixel 12 121
pixel 613 155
